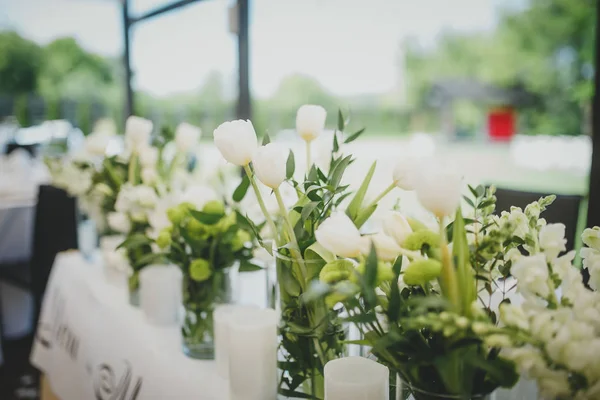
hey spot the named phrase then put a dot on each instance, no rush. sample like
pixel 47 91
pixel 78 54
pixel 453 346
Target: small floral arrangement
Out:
pixel 311 333
pixel 553 335
pixel 209 246
pixel 422 296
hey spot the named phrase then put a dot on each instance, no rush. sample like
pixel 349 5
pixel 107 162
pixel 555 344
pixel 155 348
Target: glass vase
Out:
pixel 402 390
pixel 310 333
pixel 200 300
pixel 134 288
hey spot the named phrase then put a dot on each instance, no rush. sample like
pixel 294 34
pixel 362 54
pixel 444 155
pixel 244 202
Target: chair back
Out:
pixel 565 209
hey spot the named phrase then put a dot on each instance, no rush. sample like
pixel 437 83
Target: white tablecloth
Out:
pixel 92 345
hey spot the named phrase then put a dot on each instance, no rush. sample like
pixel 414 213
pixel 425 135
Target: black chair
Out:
pixel 32 149
pixel 55 230
pixel 565 209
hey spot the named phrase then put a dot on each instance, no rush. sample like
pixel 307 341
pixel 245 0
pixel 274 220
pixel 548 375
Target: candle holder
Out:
pixel 356 378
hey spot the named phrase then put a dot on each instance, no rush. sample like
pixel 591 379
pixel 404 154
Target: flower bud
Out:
pixel 241 238
pixel 386 247
pixel 339 235
pixel 420 272
pixel 396 226
pixel 200 270
pixel 186 137
pixel 137 132
pixel 164 239
pixel 269 164
pixel 422 240
pixel 215 207
pixel 176 214
pixel 310 121
pixel 237 142
pixel 384 272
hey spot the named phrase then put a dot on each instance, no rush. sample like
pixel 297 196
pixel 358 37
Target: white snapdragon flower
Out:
pixel 514 316
pixel 532 275
pixel 118 222
pixel 591 237
pixel 136 201
pixel 591 261
pixel 517 219
pixel 149 176
pixel 552 240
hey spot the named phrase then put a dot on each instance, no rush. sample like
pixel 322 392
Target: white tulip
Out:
pixel 186 137
pixel 440 192
pixel 396 226
pixel 96 143
pixel 148 156
pixel 339 235
pixel 149 176
pixel 118 222
pixel 406 173
pixel 552 240
pixel 137 132
pixel 237 142
pixel 310 121
pixel 269 164
pixel 385 246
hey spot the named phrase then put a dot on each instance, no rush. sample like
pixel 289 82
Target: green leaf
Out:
pixel 338 172
pixel 460 251
pixel 394 306
pixel 151 258
pixel 247 225
pixel 486 203
pixel 205 218
pixel 363 342
pixel 364 215
pixel 320 251
pixel 356 203
pixel 340 121
pixel 135 240
pixel 480 190
pixel 336 145
pixel 291 394
pixel 308 209
pixel 240 191
pixel 370 277
pixel 266 139
pixel 247 266
pixel 473 191
pixel 355 136
pixel 469 201
pixel 290 166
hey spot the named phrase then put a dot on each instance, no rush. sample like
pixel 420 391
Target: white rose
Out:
pixel 440 192
pixel 396 226
pixel 552 240
pixel 532 275
pixel 310 121
pixel 339 235
pixel 96 143
pixel 269 164
pixel 149 176
pixel 137 132
pixel 148 156
pixel 118 222
pixel 186 137
pixel 386 247
pixel 406 173
pixel 237 142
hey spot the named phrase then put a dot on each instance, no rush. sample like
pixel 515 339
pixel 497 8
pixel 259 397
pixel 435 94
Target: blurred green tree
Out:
pixel 20 61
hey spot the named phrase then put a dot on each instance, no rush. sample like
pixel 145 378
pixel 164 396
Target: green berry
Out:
pixel 420 272
pixel 241 238
pixel 336 270
pixel 384 272
pixel 176 215
pixel 164 239
pixel 200 270
pixel 421 238
pixel 214 207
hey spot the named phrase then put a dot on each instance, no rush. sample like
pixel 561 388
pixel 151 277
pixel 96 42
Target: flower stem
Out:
pixel 132 167
pixel 261 203
pixel 308 156
pixel 381 196
pixel 292 237
pixel 448 276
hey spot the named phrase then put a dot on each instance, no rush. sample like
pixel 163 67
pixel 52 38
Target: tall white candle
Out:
pixel 160 294
pixel 253 354
pixel 221 318
pixel 356 378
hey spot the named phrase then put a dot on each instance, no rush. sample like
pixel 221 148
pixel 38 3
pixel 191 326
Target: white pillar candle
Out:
pixel 356 378
pixel 253 354
pixel 221 318
pixel 160 294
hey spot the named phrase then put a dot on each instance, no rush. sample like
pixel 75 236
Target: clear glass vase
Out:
pixel 134 289
pixel 310 334
pixel 200 300
pixel 404 391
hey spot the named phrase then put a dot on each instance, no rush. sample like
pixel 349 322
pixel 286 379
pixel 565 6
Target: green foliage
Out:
pixel 84 117
pixel 20 63
pixel 21 110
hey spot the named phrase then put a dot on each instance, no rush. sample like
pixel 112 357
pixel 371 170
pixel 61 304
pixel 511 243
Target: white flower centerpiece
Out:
pixel 311 334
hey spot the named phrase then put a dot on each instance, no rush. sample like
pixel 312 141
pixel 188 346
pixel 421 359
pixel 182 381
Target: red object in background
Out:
pixel 501 124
